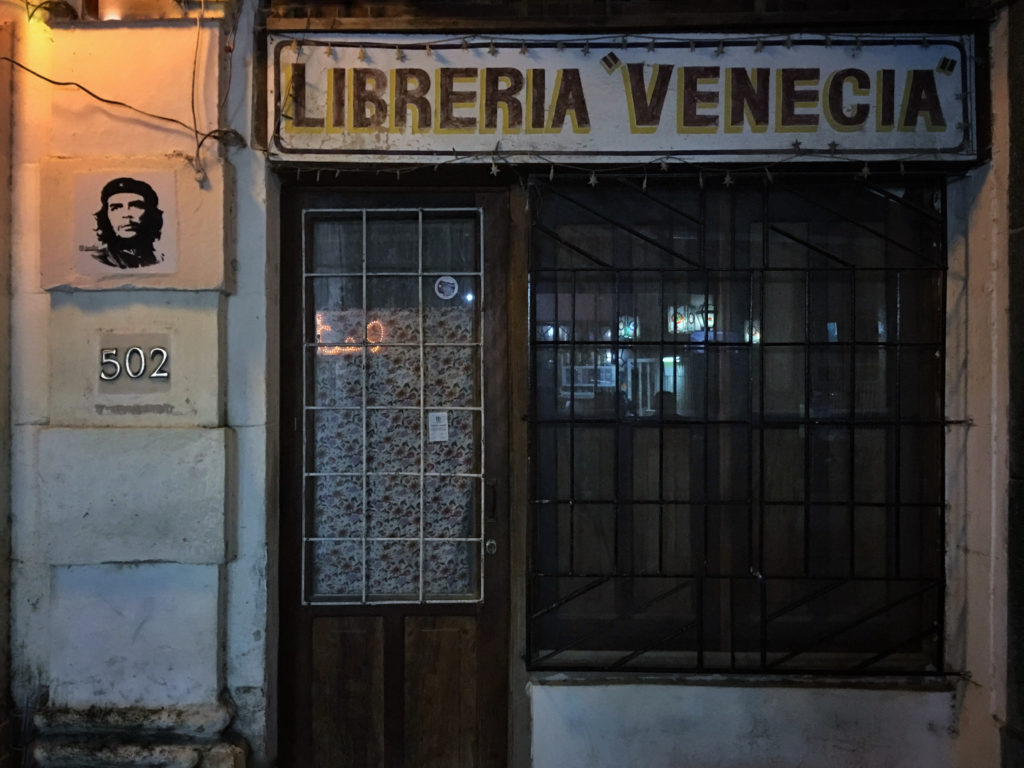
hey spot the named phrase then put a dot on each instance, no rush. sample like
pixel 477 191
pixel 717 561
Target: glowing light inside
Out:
pixel 689 319
pixel 752 332
pixel 375 334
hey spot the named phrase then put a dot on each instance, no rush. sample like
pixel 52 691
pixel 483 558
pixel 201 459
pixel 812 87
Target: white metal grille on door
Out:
pixel 393 405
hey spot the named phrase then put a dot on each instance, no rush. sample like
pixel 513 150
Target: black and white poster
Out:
pixel 126 223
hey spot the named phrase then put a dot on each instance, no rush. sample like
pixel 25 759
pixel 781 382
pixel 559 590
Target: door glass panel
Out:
pixel 338 317
pixel 450 317
pixel 449 243
pixel 452 375
pixel 339 244
pixel 393 396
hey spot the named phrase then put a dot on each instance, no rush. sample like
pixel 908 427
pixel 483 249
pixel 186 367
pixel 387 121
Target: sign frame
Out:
pixel 905 83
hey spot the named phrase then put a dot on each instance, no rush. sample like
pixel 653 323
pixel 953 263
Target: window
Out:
pixel 737 426
pixel 393 406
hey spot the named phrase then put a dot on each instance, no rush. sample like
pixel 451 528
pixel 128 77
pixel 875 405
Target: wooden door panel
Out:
pixel 376 677
pixel 348 691
pixel 441 691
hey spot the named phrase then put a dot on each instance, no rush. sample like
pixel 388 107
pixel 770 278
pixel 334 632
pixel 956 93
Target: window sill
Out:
pixel 924 683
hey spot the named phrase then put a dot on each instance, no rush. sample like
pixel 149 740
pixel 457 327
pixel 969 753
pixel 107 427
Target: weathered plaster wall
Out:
pixel 611 726
pixel 140 515
pixel 977 483
pixel 6 720
pixel 252 410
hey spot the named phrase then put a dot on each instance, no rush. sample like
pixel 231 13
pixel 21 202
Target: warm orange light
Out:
pixel 374 336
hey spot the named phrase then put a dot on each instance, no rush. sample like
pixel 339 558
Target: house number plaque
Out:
pixel 134 363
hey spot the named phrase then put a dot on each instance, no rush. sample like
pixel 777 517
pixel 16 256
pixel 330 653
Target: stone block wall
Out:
pixel 127 578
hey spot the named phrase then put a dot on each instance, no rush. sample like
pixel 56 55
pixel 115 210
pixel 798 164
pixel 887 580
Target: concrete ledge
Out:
pixel 77 754
pixel 65 753
pixel 199 721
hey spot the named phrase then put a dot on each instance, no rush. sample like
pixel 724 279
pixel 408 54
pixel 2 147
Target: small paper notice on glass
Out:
pixel 437 426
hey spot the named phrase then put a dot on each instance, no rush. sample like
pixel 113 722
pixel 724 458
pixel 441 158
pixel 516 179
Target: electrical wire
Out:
pixel 197 162
pixel 60 7
pixel 227 136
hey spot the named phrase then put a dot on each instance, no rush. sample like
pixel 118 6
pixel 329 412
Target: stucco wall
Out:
pixel 669 726
pixel 101 580
pixel 140 517
pixel 6 727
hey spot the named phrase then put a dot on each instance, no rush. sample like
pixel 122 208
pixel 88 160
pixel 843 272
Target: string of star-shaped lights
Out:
pixel 491 43
pixel 523 168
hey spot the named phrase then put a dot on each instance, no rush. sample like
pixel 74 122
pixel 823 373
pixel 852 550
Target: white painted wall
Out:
pixel 694 726
pixel 252 364
pixel 141 532
pixel 141 635
pixel 228 642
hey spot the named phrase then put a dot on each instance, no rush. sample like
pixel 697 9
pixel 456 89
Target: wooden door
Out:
pixel 394 547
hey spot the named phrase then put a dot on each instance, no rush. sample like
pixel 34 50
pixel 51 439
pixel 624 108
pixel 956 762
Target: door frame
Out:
pixel 295 620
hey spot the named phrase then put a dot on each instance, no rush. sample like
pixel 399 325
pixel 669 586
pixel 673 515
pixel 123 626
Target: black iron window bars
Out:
pixel 737 426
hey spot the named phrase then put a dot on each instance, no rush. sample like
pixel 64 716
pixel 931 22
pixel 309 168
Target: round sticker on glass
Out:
pixel 446 287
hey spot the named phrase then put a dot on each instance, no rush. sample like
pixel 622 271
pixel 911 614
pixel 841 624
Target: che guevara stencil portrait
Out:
pixel 126 223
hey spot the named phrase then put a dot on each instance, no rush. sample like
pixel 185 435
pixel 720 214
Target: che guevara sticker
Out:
pixel 125 223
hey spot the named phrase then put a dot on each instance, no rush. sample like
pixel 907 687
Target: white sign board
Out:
pixel 537 98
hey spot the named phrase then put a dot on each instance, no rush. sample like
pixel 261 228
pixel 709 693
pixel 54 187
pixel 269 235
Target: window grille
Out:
pixel 393 429
pixel 737 426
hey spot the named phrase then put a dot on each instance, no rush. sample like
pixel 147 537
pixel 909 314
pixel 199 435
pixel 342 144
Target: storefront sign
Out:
pixel 429 100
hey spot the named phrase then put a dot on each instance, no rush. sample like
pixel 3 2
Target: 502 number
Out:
pixel 134 363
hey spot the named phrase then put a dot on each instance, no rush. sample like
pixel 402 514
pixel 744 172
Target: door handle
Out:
pixel 490 546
